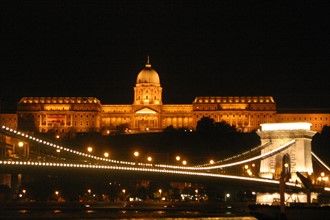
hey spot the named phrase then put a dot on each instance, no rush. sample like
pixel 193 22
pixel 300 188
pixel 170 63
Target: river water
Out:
pixel 91 214
pixel 141 216
pixel 75 211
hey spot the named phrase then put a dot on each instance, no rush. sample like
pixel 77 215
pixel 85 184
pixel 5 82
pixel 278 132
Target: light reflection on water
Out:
pixel 183 218
pixel 91 214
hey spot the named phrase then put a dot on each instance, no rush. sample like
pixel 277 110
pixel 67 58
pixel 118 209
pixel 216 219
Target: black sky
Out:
pixel 199 48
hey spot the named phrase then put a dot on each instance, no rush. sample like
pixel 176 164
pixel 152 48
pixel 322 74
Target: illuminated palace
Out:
pixel 148 113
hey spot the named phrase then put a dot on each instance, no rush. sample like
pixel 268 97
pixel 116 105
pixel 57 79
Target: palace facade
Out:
pixel 147 113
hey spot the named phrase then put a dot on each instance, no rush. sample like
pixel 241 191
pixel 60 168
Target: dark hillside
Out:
pixel 166 145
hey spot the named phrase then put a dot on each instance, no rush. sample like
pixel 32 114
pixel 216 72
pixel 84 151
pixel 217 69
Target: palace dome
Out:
pixel 148 75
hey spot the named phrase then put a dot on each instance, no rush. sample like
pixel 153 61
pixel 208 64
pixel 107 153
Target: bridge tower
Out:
pixel 295 139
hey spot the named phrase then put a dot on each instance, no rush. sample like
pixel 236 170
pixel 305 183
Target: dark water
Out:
pixel 182 211
pixel 101 214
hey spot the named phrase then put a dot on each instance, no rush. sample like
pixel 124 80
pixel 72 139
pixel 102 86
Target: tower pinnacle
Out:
pixel 148 62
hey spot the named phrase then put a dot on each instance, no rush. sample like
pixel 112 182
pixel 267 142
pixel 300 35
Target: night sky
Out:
pixel 199 48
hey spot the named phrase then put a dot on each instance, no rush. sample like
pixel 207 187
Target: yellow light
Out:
pixel 177 158
pixel 149 159
pixel 20 144
pixel 106 154
pixel 136 153
pixel 89 149
pixel 286 126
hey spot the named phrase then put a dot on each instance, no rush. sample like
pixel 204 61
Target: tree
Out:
pixel 169 129
pixel 26 123
pixel 321 144
pixel 205 125
pixel 223 127
pixel 121 129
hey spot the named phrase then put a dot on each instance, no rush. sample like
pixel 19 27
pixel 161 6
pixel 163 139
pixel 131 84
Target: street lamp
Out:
pixel 57 193
pixel 25 149
pixel 89 197
pixel 20 145
pixel 149 159
pixel 106 154
pixel 89 149
pixel 136 155
pixel 227 196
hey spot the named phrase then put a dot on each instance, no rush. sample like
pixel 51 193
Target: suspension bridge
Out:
pixel 259 167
